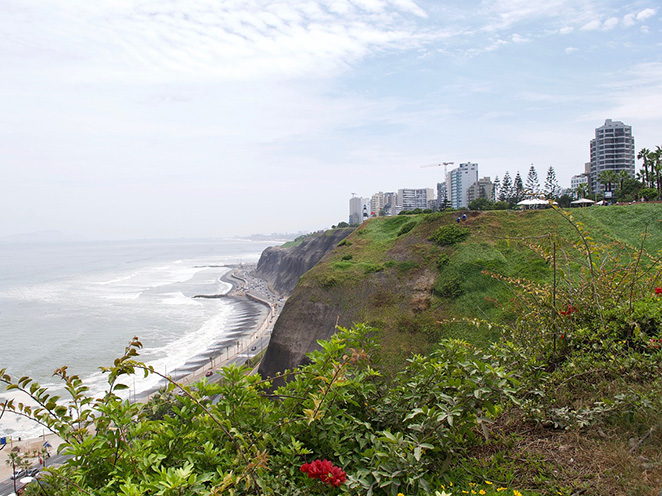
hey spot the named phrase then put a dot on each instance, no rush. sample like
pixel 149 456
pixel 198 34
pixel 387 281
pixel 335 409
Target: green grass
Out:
pixel 378 275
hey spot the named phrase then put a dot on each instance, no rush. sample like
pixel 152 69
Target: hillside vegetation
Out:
pixel 514 353
pixel 389 275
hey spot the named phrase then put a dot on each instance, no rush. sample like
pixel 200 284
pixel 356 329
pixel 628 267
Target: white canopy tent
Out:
pixel 533 203
pixel 582 202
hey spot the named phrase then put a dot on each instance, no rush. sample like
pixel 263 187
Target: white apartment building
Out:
pixel 410 199
pixel 611 149
pixel 458 182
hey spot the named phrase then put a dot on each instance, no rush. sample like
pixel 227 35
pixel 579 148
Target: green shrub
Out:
pixel 448 286
pixel 328 281
pixel 371 268
pixel 443 260
pixel 449 235
pixel 406 228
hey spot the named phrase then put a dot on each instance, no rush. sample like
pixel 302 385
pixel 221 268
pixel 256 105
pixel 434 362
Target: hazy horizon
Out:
pixel 144 119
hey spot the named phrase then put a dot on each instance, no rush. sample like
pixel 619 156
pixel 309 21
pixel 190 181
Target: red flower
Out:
pixel 568 311
pixel 325 471
pixel 658 291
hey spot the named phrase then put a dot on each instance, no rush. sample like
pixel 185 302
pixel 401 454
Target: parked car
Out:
pixel 19 474
pixel 33 472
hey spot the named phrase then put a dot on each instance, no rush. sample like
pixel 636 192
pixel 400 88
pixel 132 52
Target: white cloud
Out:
pixel 571 50
pixel 645 14
pixel 592 26
pixel 410 6
pixel 176 40
pixel 635 93
pixel 629 20
pixel 610 23
pixel 495 45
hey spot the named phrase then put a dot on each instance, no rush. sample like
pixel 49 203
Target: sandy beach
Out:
pixel 247 337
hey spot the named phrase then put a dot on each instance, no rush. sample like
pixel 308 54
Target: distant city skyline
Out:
pixel 168 119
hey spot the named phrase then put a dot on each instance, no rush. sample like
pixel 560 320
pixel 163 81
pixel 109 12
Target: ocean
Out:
pixel 80 304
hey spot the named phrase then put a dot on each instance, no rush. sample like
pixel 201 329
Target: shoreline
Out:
pixel 244 338
pixel 247 335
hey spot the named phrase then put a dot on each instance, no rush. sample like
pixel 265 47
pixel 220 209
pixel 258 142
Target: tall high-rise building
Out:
pixel 611 149
pixel 358 209
pixel 458 182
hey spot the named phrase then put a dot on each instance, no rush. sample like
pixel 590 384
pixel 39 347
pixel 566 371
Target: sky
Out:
pixel 130 119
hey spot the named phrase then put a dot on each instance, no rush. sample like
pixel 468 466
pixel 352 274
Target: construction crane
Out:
pixel 445 165
pixel 439 165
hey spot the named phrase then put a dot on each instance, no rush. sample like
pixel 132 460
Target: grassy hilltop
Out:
pixel 390 275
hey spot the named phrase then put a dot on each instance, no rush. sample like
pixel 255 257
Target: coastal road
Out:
pixel 7 486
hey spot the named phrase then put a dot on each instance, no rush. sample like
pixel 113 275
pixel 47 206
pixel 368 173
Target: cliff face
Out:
pixel 390 275
pixel 282 267
pixel 342 289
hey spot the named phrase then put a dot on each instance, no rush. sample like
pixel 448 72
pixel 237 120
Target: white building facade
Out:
pixel 458 182
pixel 611 149
pixel 410 199
pixel 575 181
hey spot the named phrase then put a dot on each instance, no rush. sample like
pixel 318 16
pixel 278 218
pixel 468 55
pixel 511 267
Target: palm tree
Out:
pixel 656 169
pixel 582 190
pixel 644 154
pixel 25 463
pixel 622 176
pixel 607 177
pixel 13 459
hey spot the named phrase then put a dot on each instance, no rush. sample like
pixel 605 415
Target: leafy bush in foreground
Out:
pixel 236 436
